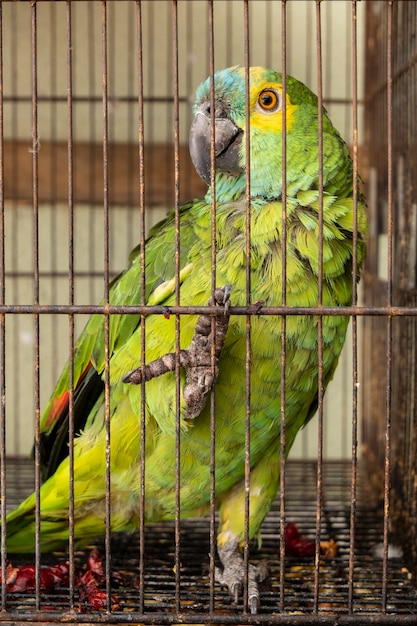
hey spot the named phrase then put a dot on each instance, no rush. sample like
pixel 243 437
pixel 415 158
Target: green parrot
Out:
pixel 265 130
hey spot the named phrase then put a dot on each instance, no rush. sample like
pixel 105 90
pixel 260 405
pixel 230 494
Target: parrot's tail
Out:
pixel 21 530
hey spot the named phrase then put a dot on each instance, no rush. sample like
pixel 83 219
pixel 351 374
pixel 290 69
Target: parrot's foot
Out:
pixel 201 370
pixel 233 575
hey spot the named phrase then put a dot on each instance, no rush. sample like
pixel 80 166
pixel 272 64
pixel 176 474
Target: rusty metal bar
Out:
pixel 134 171
pixel 213 543
pixel 55 248
pixel 48 618
pixel 14 127
pixel 132 99
pixel 56 274
pixel 71 320
pixel 253 309
pixel 94 99
pixel 390 227
pixel 320 375
pixel 283 302
pixel 355 380
pixel 35 227
pixel 142 229
pixel 2 339
pixel 175 86
pixel 248 270
pixel 92 112
pixel 107 355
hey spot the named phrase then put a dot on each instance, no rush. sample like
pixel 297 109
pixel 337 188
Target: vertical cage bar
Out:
pixel 355 380
pixel 283 391
pixel 35 227
pixel 53 126
pixel 16 322
pixel 190 23
pixel 349 115
pixel 248 357
pixel 229 40
pixel 92 113
pixel 2 339
pixel 320 391
pixel 71 333
pixel 269 26
pixel 174 26
pixel 106 211
pixel 390 232
pixel 150 82
pixel 210 12
pixel 141 142
pixel 131 166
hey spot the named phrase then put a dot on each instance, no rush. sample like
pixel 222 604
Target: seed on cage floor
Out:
pixel 394 551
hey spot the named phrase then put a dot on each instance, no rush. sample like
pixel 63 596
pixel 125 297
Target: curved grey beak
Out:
pixel 227 140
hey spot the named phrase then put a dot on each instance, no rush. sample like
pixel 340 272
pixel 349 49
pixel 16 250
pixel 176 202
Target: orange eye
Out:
pixel 269 100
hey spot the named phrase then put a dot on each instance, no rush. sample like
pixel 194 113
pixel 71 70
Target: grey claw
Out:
pixel 235 592
pixel 253 605
pixel 222 297
pixel 205 383
pixel 227 290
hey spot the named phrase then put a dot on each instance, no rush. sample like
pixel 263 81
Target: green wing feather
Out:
pixel 88 363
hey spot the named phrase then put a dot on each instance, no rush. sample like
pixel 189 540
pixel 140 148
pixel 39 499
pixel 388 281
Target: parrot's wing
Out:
pixel 89 359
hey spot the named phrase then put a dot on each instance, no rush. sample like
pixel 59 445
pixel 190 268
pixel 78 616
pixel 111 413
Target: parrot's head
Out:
pixel 266 134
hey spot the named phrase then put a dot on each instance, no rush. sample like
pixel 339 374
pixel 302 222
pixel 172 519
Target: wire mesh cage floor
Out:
pixel 299 588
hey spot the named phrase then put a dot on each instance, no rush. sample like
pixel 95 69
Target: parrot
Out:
pixel 248 133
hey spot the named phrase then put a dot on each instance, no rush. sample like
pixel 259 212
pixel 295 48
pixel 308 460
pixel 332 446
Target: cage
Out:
pixel 95 109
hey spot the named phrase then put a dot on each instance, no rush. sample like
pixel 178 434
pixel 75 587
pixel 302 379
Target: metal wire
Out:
pixel 141 141
pixel 213 548
pixel 390 219
pixel 35 227
pixel 282 458
pixel 320 377
pixel 354 322
pixel 248 326
pixel 71 321
pixel 2 337
pixel 177 565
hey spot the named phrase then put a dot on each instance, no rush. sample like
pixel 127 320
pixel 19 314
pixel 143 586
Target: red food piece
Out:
pixel 24 579
pixel 88 579
pixel 60 574
pixel 90 583
pixel 95 563
pixel 97 600
pixel 296 544
pixel 291 533
pixel 91 595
